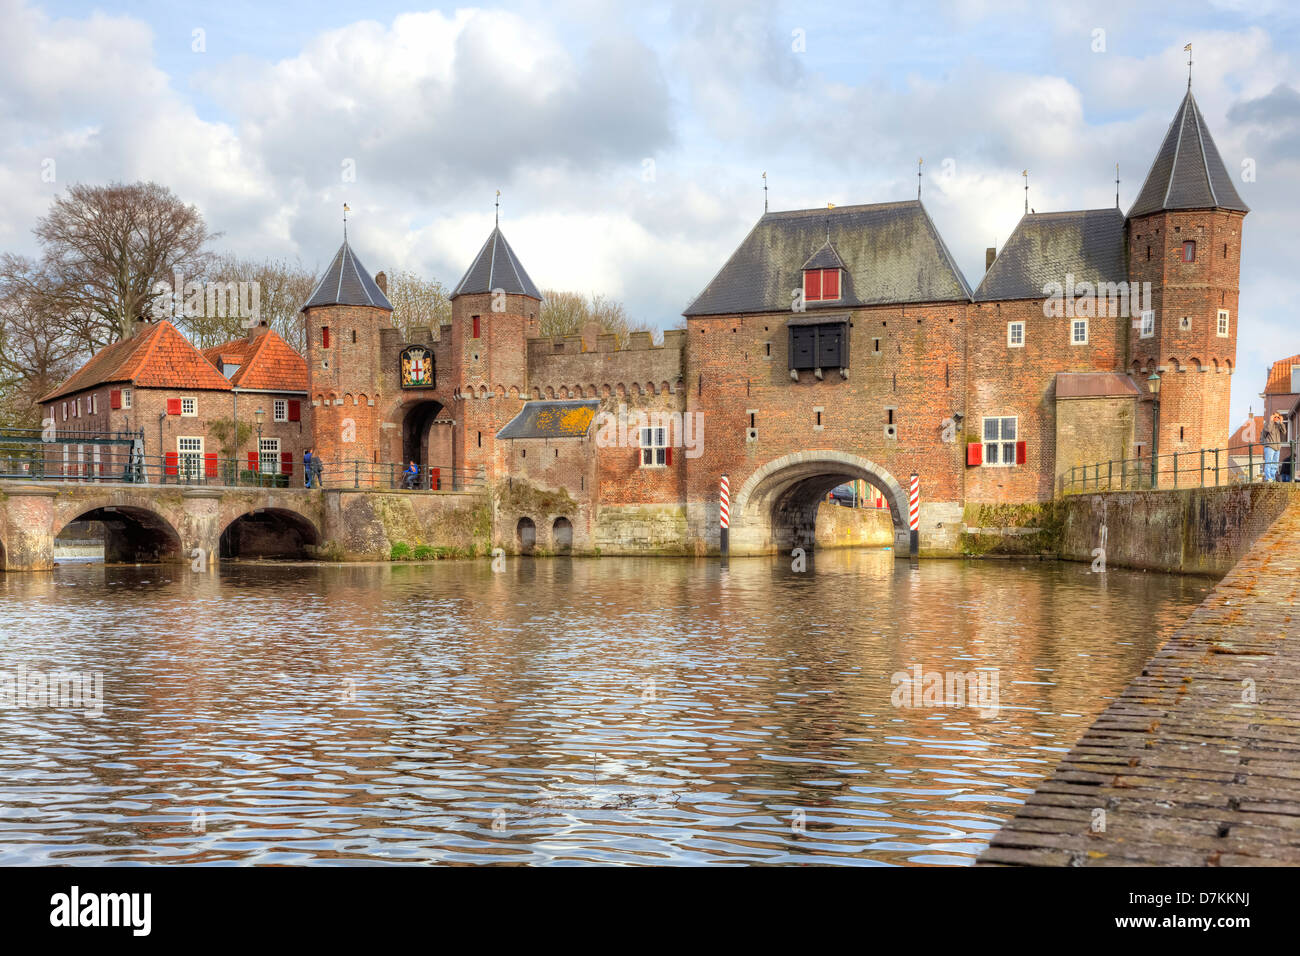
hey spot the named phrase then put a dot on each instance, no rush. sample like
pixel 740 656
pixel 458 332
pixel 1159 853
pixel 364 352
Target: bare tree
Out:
pixel 567 313
pixel 277 288
pixel 418 302
pixel 104 249
pixel 36 354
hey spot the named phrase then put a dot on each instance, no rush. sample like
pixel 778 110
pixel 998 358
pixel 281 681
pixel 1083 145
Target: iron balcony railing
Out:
pixel 1206 468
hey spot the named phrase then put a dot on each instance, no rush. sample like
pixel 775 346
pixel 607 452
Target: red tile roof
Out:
pixel 267 363
pixel 1279 376
pixel 155 357
pixel 1238 438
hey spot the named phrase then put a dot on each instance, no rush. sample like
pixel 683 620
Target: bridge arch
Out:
pixel 133 534
pixel 269 533
pixel 776 506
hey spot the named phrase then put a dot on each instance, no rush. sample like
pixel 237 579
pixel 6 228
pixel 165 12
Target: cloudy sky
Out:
pixel 628 140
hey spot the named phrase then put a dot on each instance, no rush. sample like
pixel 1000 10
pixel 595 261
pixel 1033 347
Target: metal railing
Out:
pixel 90 462
pixel 1205 468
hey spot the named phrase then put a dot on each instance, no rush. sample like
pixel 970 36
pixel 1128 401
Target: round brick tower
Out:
pixel 343 318
pixel 1184 238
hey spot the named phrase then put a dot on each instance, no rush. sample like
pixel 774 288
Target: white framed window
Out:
pixel 94 403
pixel 126 398
pixel 280 410
pixel 65 411
pixel 654 447
pixel 189 455
pixel 1015 335
pixel 1000 441
pixel 268 456
pixel 1078 331
pixel 76 409
pixel 1223 324
pixel 1148 327
pixel 189 407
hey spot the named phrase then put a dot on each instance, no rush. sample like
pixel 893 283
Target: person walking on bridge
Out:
pixel 306 466
pixel 316 469
pixel 1273 437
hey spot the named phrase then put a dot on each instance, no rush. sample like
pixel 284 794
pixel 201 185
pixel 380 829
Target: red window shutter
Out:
pixel 252 461
pixel 476 326
pixel 830 283
pixel 173 406
pixel 115 398
pixel 668 456
pixel 210 464
pixel 286 463
pixel 295 410
pixel 812 285
pixel 325 336
pixel 171 462
pixel 1020 453
pixel 974 454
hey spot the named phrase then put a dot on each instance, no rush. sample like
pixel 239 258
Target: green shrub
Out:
pixel 425 553
pixel 401 552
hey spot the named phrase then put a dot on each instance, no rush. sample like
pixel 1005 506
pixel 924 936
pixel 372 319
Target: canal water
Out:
pixel 641 711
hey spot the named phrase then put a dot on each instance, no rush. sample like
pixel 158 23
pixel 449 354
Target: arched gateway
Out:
pixel 776 506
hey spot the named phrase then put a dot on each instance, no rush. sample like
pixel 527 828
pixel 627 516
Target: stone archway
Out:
pixel 131 534
pixel 269 533
pixel 776 507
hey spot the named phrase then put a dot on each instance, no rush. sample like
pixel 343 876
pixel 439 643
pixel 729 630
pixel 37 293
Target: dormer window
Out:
pixel 821 285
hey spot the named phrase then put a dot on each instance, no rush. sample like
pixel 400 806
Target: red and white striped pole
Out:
pixel 724 515
pixel 914 515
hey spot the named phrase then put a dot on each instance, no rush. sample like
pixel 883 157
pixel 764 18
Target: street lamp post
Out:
pixel 1153 383
pixel 258 416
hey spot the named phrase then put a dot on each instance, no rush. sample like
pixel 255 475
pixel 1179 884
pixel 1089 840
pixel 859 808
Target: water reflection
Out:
pixel 565 711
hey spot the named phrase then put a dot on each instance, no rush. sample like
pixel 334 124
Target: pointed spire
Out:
pixel 496 267
pixel 1025 173
pixel 346 282
pixel 1188 50
pixel 497 220
pixel 1188 172
pixel 765 192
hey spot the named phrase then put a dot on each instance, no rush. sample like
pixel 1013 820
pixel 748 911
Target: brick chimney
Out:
pixel 381 280
pixel 990 254
pixel 259 329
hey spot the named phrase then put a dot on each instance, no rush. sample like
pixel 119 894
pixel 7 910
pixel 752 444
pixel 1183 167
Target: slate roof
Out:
pixel 155 357
pixel 1188 172
pixel 346 282
pixel 891 252
pixel 496 267
pixel 825 258
pixel 1088 244
pixel 1279 376
pixel 1095 385
pixel 267 363
pixel 551 419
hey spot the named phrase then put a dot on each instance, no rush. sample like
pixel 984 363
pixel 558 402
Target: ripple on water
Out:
pixel 563 712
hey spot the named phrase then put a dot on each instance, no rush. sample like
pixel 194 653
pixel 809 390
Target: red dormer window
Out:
pixel 821 285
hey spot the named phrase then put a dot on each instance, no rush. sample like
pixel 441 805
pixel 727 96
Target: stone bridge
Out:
pixel 174 523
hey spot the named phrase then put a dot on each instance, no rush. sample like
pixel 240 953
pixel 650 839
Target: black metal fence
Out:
pixel 1206 468
pixel 33 455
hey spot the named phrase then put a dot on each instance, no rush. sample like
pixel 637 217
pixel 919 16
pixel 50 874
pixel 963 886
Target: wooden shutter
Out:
pixel 325 336
pixel 115 398
pixel 171 460
pixel 1020 453
pixel 476 326
pixel 210 464
pixel 286 462
pixel 173 406
pixel 830 283
pixel 668 455
pixel 252 461
pixel 812 285
pixel 295 410
pixel 974 454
